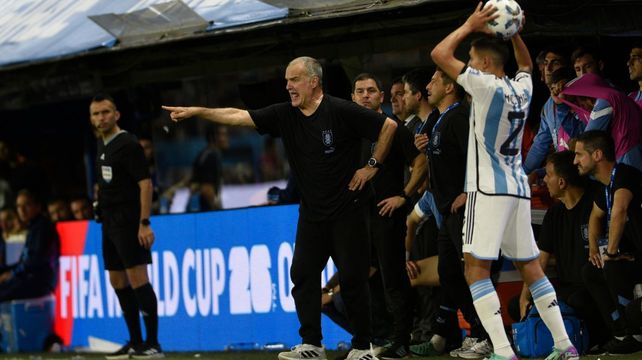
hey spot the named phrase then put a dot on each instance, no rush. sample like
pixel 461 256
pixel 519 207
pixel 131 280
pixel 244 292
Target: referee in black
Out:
pixel 124 203
pixel 322 137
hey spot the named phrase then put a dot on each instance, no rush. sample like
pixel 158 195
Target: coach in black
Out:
pixel 322 137
pixel 125 199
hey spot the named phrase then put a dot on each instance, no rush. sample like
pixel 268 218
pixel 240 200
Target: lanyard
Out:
pixel 423 123
pixel 556 127
pixel 441 116
pixel 608 193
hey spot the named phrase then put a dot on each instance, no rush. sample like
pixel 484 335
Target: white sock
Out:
pixel 545 300
pixel 489 311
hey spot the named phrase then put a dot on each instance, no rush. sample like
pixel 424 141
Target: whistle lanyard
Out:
pixel 608 193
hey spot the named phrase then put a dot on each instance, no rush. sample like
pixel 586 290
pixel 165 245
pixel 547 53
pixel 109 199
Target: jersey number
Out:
pixel 513 116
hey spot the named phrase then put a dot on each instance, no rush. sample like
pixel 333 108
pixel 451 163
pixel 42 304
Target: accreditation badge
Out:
pixel 106 173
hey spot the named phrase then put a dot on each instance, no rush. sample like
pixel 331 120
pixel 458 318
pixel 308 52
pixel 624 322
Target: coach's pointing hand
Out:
pixel 178 113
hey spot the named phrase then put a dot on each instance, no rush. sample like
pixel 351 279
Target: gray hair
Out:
pixel 312 66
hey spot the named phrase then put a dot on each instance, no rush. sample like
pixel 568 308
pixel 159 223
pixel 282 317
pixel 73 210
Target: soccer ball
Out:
pixel 509 20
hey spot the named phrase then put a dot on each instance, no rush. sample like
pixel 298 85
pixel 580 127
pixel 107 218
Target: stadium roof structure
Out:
pixel 77 46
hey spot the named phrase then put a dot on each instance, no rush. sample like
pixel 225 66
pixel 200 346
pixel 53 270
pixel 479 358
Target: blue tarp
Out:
pixel 42 29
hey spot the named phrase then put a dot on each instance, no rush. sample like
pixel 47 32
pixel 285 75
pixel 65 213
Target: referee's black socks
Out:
pixel 129 306
pixel 148 306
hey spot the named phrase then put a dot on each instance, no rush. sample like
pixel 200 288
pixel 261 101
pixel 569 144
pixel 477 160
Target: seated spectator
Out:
pixel 58 210
pixel 36 273
pixel 621 116
pixel 14 235
pixel 564 235
pixel 81 209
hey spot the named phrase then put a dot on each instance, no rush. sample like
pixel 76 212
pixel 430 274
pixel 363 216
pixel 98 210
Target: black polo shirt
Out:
pixel 323 150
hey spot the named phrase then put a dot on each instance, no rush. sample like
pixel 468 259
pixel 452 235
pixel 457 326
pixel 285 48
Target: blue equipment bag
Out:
pixel 533 339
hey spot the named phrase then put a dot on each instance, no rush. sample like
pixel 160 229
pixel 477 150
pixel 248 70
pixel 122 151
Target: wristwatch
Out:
pixel 373 163
pixel 403 195
pixel 145 222
pixel 612 255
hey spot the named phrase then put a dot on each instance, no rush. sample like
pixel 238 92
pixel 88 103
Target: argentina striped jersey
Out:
pixel 497 116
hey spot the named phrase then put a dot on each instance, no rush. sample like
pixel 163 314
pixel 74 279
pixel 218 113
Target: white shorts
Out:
pixel 498 222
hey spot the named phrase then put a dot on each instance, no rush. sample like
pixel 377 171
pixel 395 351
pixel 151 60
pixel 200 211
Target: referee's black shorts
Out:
pixel 121 249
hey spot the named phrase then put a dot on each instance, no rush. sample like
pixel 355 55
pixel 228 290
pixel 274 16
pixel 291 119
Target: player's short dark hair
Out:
pixel 559 50
pixel 397 80
pixel 563 165
pixel 417 80
pixel 102 97
pixel 366 76
pixel 564 73
pixel 585 50
pixel 459 90
pixel 493 45
pixel 598 140
pixel 637 44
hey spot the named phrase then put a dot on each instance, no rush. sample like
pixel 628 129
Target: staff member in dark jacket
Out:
pixel 36 272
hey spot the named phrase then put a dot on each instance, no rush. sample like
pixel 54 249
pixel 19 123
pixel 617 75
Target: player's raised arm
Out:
pixel 224 116
pixel 444 53
pixel 522 56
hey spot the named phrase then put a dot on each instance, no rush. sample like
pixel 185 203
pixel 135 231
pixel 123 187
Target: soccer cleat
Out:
pixel 396 351
pixel 570 353
pixel 123 353
pixel 356 354
pixel 494 356
pixel 465 345
pixel 148 351
pixel 425 349
pixel 628 345
pixel 304 352
pixel 479 350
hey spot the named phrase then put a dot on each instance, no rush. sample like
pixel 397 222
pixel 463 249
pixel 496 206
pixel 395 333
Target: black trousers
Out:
pixel 612 289
pixel 346 241
pixel 456 293
pixel 380 319
pixel 387 235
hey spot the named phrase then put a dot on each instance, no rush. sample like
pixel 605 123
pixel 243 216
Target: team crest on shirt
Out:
pixel 585 233
pixel 435 139
pixel 106 173
pixel 327 137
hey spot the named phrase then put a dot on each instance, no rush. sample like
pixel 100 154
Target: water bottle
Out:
pixel 242 346
pixel 274 346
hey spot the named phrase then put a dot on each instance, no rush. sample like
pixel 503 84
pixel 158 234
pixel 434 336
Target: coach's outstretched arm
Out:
pixel 444 53
pixel 224 116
